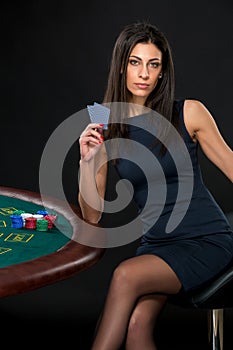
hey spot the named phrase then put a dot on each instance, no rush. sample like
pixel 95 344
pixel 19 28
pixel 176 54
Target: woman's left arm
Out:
pixel 202 128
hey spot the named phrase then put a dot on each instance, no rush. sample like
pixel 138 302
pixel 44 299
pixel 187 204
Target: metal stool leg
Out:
pixel 215 329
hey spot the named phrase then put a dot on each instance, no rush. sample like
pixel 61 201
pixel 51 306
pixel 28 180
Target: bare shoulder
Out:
pixel 196 116
pixel 194 108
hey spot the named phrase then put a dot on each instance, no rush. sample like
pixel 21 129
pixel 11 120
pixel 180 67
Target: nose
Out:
pixel 144 72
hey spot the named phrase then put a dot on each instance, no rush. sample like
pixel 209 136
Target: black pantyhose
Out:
pixel 137 294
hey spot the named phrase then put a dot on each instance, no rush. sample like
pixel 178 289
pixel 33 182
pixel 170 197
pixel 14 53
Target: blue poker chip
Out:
pixel 42 212
pixel 16 221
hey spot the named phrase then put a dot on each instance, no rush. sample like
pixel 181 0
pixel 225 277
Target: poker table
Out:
pixel 30 259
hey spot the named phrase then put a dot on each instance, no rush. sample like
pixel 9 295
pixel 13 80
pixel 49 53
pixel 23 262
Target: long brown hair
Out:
pixel 162 97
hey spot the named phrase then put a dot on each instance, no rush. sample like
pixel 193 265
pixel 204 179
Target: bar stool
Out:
pixel 215 298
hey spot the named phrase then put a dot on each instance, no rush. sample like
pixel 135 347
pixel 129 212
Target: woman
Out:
pixel 201 246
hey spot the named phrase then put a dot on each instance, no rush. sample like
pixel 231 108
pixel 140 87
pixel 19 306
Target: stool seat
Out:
pixel 215 296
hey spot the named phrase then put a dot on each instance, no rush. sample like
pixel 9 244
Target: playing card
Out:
pixel 99 114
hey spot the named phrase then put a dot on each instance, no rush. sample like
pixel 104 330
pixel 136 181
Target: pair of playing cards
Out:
pixel 99 114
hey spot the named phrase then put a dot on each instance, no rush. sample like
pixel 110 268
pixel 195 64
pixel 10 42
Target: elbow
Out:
pixel 92 218
pixel 229 175
pixel 228 172
pixel 89 214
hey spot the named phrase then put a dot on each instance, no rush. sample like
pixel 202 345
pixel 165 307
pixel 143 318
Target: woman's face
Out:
pixel 143 71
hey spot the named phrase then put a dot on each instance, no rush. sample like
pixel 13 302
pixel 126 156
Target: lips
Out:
pixel 142 86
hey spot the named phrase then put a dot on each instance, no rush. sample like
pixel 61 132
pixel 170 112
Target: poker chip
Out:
pixel 16 221
pixel 42 212
pixel 26 215
pixel 30 223
pixel 18 212
pixel 51 220
pixel 38 216
pixel 42 225
pixel 41 221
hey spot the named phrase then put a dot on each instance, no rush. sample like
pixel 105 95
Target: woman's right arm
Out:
pixel 92 173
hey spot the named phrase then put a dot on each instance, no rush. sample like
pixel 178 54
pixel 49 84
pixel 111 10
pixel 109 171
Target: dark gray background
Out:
pixel 54 61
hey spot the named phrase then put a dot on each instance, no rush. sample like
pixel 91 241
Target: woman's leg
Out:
pixel 132 279
pixel 141 326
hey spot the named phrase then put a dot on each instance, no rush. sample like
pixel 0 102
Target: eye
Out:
pixel 133 62
pixel 154 64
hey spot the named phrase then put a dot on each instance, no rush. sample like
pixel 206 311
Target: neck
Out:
pixel 136 109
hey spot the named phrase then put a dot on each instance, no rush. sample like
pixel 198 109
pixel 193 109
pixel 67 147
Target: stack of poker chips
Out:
pixel 51 219
pixel 16 221
pixel 41 221
pixel 27 222
pixel 42 225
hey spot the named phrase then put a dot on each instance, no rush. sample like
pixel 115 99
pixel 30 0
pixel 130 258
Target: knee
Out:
pixel 139 322
pixel 122 276
pixel 141 325
pixel 135 325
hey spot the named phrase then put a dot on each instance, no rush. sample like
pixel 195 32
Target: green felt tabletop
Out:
pixel 21 244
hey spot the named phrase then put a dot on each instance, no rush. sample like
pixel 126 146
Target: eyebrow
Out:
pixel 152 59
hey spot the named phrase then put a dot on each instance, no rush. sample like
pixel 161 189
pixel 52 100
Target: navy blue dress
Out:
pixel 199 246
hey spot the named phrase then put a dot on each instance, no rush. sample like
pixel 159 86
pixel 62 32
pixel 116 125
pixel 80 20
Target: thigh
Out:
pixel 150 274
